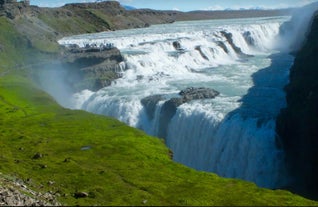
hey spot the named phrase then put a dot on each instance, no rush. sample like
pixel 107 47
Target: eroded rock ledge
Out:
pixel 95 66
pixel 169 108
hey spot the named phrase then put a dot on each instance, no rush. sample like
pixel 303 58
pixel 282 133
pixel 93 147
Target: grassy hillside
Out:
pixel 65 152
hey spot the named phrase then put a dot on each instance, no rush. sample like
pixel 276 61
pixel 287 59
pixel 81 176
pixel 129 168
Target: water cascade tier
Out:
pixel 211 89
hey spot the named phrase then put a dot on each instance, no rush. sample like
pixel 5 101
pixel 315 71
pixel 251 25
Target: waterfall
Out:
pixel 232 134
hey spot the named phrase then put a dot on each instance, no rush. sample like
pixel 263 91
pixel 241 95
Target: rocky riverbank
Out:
pixel 14 192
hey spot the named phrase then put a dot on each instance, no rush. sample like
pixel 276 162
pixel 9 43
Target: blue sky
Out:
pixel 188 5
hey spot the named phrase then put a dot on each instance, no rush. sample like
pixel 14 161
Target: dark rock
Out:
pixel 170 153
pixel 37 156
pixel 67 159
pixel 248 38
pixel 80 195
pixel 198 93
pixel 43 166
pixel 85 57
pixel 15 10
pixel 198 48
pixel 94 67
pixel 297 125
pixel 150 104
pixel 229 38
pixel 223 46
pixel 169 108
pixel 176 45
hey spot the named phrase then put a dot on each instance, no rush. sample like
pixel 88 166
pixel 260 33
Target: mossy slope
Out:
pixel 113 163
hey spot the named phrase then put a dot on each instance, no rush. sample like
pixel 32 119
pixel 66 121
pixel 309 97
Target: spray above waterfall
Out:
pixel 293 33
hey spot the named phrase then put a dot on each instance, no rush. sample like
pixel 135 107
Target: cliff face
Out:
pixel 95 67
pixel 297 125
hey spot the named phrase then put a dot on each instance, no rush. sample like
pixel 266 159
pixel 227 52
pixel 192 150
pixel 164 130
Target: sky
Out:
pixel 189 5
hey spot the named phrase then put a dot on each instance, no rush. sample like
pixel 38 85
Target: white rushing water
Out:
pixel 232 134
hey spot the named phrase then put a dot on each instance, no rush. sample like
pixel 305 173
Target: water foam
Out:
pixel 233 134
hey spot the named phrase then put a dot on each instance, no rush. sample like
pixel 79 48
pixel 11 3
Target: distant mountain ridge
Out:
pixel 129 7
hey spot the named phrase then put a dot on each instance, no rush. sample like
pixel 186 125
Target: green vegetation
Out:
pixel 102 16
pixel 66 151
pixel 75 22
pixel 119 166
pixel 10 40
pixel 68 24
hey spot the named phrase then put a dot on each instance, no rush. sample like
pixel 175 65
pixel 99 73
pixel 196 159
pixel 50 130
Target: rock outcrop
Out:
pixel 199 49
pixel 297 125
pixel 192 93
pixel 14 9
pixel 16 193
pixel 169 108
pixel 229 38
pixel 150 104
pixel 95 67
pixel 177 45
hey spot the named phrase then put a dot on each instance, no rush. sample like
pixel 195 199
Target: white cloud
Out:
pixel 214 8
pixel 260 7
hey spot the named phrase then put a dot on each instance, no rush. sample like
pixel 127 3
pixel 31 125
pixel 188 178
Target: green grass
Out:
pixel 66 24
pixel 45 46
pixel 12 45
pixel 83 21
pixel 122 165
pixel 107 19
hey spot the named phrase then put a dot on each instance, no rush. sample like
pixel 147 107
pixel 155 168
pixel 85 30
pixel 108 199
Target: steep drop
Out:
pixel 232 134
pixel 297 125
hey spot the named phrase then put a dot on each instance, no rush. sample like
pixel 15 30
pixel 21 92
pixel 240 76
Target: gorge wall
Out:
pixel 297 125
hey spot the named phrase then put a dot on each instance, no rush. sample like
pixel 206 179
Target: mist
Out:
pixel 55 79
pixel 294 32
